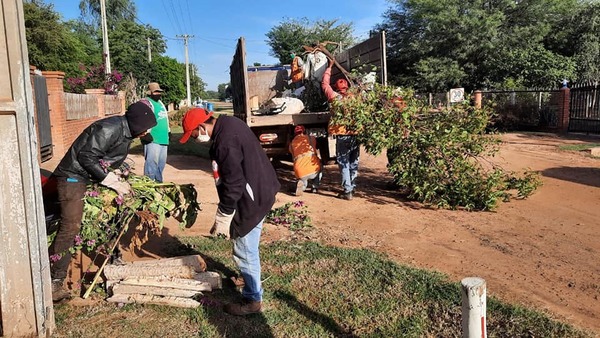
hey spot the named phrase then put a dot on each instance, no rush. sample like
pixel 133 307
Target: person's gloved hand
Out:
pixel 222 225
pixel 146 139
pixel 112 181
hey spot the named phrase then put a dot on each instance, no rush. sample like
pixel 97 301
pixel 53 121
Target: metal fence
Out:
pixel 81 106
pixel 585 108
pixel 523 109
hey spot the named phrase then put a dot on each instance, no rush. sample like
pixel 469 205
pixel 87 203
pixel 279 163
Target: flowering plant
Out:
pixel 95 77
pixel 106 213
pixel 292 214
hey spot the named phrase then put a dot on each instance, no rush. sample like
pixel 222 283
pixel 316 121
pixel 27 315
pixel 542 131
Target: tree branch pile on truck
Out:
pixel 272 121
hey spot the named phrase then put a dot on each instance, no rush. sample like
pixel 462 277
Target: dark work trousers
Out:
pixel 70 197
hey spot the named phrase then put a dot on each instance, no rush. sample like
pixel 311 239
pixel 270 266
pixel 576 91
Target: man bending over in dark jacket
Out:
pixel 104 143
pixel 246 185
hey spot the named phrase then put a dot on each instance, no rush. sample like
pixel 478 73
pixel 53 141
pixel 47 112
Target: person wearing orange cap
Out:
pixel 347 148
pixel 307 162
pixel 246 184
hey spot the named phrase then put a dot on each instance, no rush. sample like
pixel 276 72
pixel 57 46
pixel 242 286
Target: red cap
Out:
pixel 299 130
pixel 341 84
pixel 191 120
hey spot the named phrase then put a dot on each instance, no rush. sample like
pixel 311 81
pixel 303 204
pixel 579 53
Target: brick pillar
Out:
pixel 564 102
pixel 477 97
pixel 58 113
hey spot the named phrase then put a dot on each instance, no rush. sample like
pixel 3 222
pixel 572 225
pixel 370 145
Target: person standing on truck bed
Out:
pixel 347 148
pixel 157 141
pixel 297 72
pixel 307 162
pixel 246 185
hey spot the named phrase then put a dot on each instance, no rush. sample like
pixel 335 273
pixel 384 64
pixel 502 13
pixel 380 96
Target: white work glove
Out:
pixel 222 224
pixel 112 181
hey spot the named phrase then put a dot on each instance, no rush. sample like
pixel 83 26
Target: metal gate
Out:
pixel 42 112
pixel 585 109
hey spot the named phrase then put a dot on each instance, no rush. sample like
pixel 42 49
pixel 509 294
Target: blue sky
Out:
pixel 218 25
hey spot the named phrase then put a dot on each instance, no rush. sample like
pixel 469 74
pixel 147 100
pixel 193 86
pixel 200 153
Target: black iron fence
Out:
pixel 585 108
pixel 523 109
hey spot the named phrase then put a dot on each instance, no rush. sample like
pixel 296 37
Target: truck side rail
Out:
pixel 239 81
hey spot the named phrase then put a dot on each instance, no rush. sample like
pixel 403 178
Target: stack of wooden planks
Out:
pixel 171 281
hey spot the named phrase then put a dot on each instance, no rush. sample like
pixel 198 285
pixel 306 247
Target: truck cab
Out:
pixel 253 86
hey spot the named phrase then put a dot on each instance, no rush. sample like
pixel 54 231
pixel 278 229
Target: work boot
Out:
pixel 245 307
pixel 345 195
pixel 59 292
pixel 299 188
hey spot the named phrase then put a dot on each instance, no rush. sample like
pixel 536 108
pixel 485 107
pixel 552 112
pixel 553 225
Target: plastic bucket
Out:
pixel 209 106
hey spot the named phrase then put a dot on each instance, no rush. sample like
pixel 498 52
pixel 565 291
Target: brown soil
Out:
pixel 541 252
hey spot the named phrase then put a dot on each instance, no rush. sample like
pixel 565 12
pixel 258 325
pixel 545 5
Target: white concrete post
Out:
pixel 473 308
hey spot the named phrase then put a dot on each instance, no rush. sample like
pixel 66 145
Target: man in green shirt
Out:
pixel 155 147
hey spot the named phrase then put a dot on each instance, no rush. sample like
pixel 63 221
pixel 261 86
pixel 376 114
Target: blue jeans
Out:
pixel 247 258
pixel 347 151
pixel 156 158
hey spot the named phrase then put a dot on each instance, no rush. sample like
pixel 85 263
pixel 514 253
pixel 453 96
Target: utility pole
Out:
pixel 105 49
pixel 149 51
pixel 185 38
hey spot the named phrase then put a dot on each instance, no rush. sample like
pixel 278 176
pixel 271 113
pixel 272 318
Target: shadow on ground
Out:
pixel 586 176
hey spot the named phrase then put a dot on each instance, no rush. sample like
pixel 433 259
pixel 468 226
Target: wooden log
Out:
pixel 195 261
pixel 116 272
pixel 165 282
pixel 125 289
pixel 158 300
pixel 210 277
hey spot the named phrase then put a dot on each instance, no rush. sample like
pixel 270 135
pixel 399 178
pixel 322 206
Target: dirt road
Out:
pixel 541 252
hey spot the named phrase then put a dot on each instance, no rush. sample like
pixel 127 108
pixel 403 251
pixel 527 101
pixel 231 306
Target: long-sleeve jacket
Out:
pixel 247 181
pixel 107 140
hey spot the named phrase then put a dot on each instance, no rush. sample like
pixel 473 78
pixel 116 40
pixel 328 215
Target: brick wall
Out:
pixel 64 131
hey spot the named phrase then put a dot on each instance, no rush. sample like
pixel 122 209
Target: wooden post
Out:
pixel 473 308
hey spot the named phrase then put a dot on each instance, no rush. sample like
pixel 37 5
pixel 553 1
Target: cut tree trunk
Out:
pixel 179 283
pixel 118 272
pixel 157 300
pixel 125 289
pixel 195 261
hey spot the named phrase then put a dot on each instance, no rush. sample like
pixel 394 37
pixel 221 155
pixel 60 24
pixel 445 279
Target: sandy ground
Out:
pixel 541 252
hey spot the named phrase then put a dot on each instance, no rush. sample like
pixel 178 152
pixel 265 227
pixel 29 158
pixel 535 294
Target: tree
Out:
pixel 171 75
pixel 51 45
pixel 117 11
pixel 291 34
pixel 197 86
pixel 482 43
pixel 129 51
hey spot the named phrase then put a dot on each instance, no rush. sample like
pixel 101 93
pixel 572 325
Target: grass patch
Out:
pixel 313 291
pixel 579 147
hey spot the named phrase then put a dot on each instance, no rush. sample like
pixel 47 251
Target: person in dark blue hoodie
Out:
pixel 246 185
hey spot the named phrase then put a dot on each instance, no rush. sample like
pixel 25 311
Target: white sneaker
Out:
pixel 299 188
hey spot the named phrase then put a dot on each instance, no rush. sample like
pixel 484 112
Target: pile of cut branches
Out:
pixel 441 157
pixel 107 214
